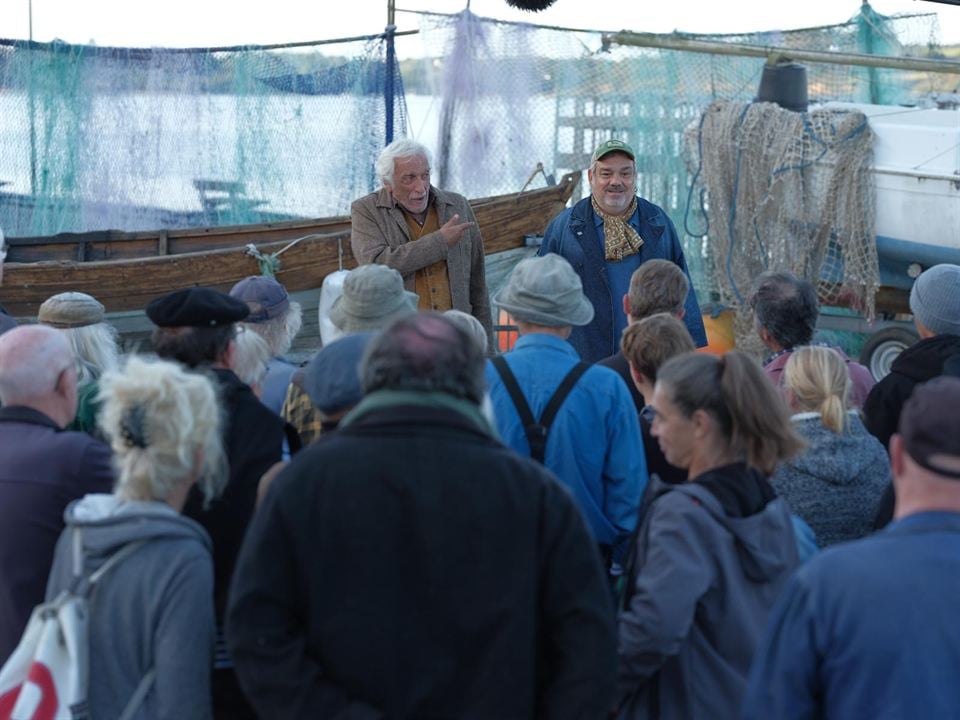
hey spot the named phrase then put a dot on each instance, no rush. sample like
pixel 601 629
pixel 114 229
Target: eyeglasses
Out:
pixel 648 413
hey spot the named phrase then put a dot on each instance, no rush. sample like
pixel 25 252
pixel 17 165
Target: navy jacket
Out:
pixel 867 630
pixel 42 469
pixel 573 235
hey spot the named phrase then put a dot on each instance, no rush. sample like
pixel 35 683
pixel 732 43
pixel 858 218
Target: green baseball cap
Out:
pixel 612 146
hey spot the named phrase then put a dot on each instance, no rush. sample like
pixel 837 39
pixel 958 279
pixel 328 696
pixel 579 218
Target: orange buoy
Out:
pixel 720 335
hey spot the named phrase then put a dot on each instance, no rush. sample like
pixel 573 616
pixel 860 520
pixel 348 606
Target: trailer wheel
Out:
pixel 883 347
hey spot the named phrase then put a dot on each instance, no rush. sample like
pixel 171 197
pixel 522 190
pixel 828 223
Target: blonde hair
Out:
pixel 820 382
pixel 161 420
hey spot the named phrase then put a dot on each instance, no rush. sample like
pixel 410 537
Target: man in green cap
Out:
pixel 606 237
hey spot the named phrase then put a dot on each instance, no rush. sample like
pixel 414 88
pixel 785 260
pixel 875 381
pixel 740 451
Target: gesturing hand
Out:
pixel 452 230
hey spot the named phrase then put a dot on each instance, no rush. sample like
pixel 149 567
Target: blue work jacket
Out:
pixel 594 446
pixel 573 235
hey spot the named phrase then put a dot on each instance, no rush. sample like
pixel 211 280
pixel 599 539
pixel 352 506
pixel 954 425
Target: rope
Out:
pixel 270 264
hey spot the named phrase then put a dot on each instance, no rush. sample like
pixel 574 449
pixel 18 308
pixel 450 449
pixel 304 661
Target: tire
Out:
pixel 883 347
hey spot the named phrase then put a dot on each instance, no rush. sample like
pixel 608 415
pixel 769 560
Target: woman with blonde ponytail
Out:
pixel 712 553
pixel 836 483
pixel 151 622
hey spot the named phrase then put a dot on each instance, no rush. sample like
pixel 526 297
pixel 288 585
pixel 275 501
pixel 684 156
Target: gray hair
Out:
pixel 398 150
pixel 424 352
pixel 279 332
pixel 163 423
pixel 96 348
pixel 786 306
pixel 250 356
pixel 472 326
pixel 32 357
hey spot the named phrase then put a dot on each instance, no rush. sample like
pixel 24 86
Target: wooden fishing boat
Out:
pixel 126 270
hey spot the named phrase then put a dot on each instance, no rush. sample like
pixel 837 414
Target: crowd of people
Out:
pixel 606 521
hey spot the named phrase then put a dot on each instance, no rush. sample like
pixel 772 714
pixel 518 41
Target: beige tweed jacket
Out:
pixel 380 235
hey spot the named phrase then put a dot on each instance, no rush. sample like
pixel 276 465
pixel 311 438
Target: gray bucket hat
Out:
pixel 546 291
pixel 373 295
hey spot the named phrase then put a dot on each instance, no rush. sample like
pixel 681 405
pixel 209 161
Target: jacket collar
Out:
pixel 540 341
pixel 23 414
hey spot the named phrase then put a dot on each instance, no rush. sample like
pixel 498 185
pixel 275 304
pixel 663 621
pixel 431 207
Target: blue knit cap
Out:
pixel 935 299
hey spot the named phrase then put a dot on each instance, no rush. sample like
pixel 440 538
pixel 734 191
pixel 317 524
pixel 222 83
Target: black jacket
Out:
pixel 410 566
pixel 920 362
pixel 656 461
pixel 42 469
pixel 252 441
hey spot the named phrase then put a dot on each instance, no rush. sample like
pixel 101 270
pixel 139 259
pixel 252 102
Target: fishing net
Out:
pixel 786 191
pixel 97 138
pixel 513 95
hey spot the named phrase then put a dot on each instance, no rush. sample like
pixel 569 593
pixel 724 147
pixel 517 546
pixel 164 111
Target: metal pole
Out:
pixel 32 106
pixel 388 90
pixel 679 42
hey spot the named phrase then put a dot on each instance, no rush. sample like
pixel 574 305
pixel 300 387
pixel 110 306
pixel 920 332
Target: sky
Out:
pixel 207 23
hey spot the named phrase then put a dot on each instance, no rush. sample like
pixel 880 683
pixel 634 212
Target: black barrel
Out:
pixel 785 84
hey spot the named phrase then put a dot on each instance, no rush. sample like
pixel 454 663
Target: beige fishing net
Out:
pixel 786 191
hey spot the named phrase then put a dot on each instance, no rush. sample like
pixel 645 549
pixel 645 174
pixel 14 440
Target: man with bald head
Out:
pixel 42 467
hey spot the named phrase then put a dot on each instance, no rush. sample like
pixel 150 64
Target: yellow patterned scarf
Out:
pixel 620 239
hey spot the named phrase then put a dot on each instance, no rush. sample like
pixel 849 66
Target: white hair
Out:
pixel 279 332
pixel 32 357
pixel 163 423
pixel 469 324
pixel 96 348
pixel 399 150
pixel 250 357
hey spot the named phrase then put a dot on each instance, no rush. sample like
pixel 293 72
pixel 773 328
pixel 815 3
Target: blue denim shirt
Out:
pixel 574 235
pixel 594 444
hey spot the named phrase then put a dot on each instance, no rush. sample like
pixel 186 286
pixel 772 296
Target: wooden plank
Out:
pixel 129 284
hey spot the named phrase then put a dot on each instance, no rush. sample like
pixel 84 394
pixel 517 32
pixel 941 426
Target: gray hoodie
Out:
pixel 706 579
pixel 153 610
pixel 836 483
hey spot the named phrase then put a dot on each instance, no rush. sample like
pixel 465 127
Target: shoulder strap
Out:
pixel 536 431
pixel 139 695
pixel 516 394
pixel 83 584
pixel 560 394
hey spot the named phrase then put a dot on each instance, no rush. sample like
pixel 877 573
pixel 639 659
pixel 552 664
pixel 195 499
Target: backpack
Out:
pixel 46 676
pixel 537 430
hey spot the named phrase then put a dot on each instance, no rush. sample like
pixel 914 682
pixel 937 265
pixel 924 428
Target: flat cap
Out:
pixel 332 377
pixel 70 310
pixel 196 307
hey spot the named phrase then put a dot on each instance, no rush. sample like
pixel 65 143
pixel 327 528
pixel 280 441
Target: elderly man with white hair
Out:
pixel 42 468
pixel 429 235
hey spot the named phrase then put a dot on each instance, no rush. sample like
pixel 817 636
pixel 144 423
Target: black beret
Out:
pixel 196 307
